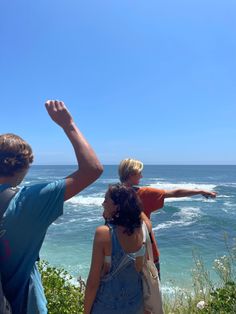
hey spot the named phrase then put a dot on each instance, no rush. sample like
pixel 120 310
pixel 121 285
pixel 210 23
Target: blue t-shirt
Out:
pixel 24 225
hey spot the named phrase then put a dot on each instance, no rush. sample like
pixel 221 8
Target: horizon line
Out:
pixel 159 164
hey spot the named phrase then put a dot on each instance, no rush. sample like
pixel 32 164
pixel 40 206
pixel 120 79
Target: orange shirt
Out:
pixel 152 199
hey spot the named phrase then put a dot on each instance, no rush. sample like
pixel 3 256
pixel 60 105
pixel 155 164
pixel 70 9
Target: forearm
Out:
pixel 89 167
pixel 86 157
pixel 90 295
pixel 185 193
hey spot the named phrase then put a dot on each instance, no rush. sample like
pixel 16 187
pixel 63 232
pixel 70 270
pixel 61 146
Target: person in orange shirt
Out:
pixel 130 173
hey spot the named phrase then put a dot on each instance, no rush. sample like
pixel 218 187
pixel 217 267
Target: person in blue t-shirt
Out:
pixel 33 208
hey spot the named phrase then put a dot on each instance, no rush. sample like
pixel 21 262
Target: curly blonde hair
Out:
pixel 15 154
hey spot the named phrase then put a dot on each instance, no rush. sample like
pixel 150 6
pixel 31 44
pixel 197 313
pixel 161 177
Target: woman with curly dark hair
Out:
pixel 114 283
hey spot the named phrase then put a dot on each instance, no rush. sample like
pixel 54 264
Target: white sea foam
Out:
pixel 156 179
pixel 209 200
pixel 223 196
pixel 85 219
pixel 233 184
pixel 229 208
pixel 182 199
pixel 108 181
pixel 92 200
pixel 185 217
pixel 183 185
pixel 229 204
pixel 190 199
pixel 92 219
pixel 171 290
pixel 63 221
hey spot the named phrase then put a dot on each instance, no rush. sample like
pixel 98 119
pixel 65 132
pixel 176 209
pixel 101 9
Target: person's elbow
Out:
pixel 92 285
pixel 97 169
pixel 93 172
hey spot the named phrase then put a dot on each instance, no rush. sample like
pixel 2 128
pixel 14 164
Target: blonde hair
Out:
pixel 129 167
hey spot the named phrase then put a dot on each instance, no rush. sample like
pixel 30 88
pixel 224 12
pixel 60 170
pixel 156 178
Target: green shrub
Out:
pixel 208 297
pixel 223 300
pixel 62 295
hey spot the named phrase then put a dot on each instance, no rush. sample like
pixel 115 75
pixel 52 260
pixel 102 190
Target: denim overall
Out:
pixel 120 291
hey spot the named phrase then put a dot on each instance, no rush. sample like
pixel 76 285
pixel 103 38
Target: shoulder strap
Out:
pixel 5 198
pixel 147 240
pixel 123 263
pixel 144 232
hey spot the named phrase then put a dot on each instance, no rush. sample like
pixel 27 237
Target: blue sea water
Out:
pixel 183 225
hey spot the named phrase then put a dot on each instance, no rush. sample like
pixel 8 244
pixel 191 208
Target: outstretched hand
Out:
pixel 208 194
pixel 59 113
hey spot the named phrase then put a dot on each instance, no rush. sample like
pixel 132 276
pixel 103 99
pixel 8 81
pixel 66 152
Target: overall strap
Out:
pixel 124 261
pixel 5 198
pixel 122 264
pixel 115 243
pixel 147 241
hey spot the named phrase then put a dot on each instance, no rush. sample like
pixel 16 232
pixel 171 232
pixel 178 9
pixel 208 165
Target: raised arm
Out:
pixel 89 167
pixel 185 192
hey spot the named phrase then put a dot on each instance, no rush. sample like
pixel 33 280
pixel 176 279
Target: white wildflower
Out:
pixel 201 305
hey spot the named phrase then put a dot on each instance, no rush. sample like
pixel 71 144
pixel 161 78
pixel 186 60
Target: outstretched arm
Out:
pixel 185 192
pixel 89 167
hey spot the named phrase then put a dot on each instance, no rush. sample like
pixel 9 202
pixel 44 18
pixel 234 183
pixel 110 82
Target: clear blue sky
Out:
pixel 153 80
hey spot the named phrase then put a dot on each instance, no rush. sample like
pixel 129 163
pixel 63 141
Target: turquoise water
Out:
pixel 183 225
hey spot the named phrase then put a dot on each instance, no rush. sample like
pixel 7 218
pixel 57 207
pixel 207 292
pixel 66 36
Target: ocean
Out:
pixel 182 226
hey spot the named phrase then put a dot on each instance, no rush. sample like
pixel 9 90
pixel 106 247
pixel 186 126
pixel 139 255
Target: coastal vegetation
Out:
pixel 207 297
pixel 63 295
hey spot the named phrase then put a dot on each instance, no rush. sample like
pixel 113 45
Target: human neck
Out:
pixel 8 180
pixel 128 184
pixel 15 179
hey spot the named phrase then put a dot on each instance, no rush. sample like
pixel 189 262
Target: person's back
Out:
pixel 114 283
pixel 120 288
pixel 25 223
pixel 31 211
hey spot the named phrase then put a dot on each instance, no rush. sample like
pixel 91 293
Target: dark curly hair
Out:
pixel 129 207
pixel 15 154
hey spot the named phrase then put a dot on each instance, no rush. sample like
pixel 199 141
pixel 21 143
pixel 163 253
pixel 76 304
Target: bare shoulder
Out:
pixel 102 234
